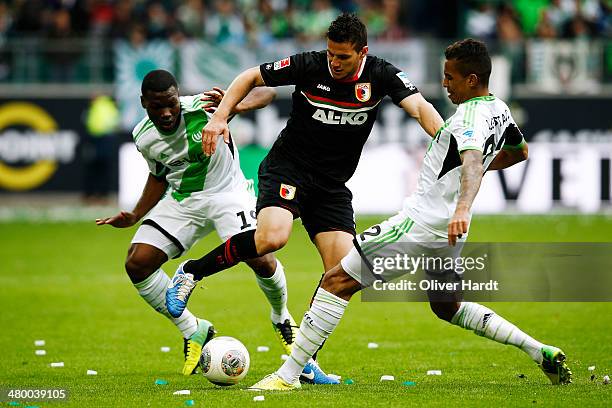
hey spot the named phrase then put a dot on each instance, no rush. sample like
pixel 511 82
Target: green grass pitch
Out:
pixel 64 283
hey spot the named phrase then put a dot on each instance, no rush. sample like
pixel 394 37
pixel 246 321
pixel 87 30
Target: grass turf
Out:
pixel 64 283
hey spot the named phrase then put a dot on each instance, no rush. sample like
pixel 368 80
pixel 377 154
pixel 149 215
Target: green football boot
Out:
pixel 193 345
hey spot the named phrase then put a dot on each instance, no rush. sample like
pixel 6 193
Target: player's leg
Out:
pixel 326 310
pixel 233 213
pixel 448 306
pixel 166 233
pixel 237 248
pixel 327 214
pixel 331 299
pixel 143 266
pixel 270 276
pixel 274 226
pixel 485 322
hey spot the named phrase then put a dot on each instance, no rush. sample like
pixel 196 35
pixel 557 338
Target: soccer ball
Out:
pixel 224 361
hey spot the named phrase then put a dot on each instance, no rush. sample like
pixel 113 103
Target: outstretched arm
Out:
pixel 153 191
pixel 217 125
pixel 256 99
pixel 471 176
pixel 424 112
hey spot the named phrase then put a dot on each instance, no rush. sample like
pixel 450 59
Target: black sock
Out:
pixel 238 248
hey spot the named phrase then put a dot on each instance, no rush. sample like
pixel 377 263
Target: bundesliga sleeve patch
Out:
pixel 282 63
pixel 404 78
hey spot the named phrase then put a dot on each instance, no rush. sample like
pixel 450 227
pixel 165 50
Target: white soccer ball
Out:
pixel 224 361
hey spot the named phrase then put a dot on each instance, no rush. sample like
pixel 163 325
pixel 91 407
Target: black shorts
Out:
pixel 321 203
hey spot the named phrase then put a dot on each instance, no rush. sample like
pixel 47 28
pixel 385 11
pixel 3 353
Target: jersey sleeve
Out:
pixel 396 83
pixel 469 132
pixel 514 139
pixel 288 71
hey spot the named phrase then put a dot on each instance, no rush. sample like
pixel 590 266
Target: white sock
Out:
pixel 487 323
pixel 153 291
pixel 318 323
pixel 275 289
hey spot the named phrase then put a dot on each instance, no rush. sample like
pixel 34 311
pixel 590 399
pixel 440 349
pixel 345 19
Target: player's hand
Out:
pixel 212 99
pixel 458 226
pixel 211 132
pixel 122 220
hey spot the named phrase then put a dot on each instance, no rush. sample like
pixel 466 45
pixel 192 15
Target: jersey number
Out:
pixel 242 217
pixel 370 232
pixel 490 147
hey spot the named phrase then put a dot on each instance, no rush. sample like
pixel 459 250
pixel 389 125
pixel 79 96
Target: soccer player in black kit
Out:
pixel 336 99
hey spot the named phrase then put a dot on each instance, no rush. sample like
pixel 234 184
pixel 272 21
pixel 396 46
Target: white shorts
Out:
pixel 398 235
pixel 174 227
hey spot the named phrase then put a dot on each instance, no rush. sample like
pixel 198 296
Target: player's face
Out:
pixel 456 84
pixel 163 108
pixel 343 59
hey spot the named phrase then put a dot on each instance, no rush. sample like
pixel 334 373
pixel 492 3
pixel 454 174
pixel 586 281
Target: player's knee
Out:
pixel 270 240
pixel 264 266
pixel 339 283
pixel 444 310
pixel 138 267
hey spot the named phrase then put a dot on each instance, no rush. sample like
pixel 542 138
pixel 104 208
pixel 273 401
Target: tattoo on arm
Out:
pixel 471 176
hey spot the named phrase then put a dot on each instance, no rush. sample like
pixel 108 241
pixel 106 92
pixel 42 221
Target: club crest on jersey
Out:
pixel 363 91
pixel 287 191
pixel 197 136
pixel 282 63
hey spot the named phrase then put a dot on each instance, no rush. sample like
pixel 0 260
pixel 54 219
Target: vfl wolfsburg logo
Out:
pixel 197 136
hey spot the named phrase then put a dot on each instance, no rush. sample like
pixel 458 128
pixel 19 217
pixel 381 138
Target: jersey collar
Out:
pixel 354 77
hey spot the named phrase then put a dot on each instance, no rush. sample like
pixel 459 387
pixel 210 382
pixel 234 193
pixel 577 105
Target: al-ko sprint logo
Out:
pixel 31 146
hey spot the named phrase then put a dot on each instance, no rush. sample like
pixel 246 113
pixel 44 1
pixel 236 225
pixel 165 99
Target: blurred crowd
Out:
pixel 262 22
pixel 45 28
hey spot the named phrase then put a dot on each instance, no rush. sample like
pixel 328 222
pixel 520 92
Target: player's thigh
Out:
pixel 328 207
pixel 281 185
pixel 174 227
pixel 333 246
pixel 274 225
pixel 375 249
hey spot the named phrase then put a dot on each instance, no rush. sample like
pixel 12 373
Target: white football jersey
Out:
pixel 483 123
pixel 178 156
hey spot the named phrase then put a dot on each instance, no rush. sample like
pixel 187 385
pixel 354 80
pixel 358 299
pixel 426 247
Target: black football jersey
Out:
pixel 331 120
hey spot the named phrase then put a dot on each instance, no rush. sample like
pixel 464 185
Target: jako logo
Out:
pixel 345 118
pixel 324 87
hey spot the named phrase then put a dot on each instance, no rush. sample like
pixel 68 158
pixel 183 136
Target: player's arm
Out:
pixel 471 176
pixel 256 99
pixel 424 112
pixel 509 156
pixel 236 92
pixel 153 191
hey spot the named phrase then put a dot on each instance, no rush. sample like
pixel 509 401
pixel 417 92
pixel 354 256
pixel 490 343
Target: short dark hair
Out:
pixel 473 58
pixel 348 28
pixel 158 80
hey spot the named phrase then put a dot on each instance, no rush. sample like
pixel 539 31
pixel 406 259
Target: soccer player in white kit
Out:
pixel 187 196
pixel 480 136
